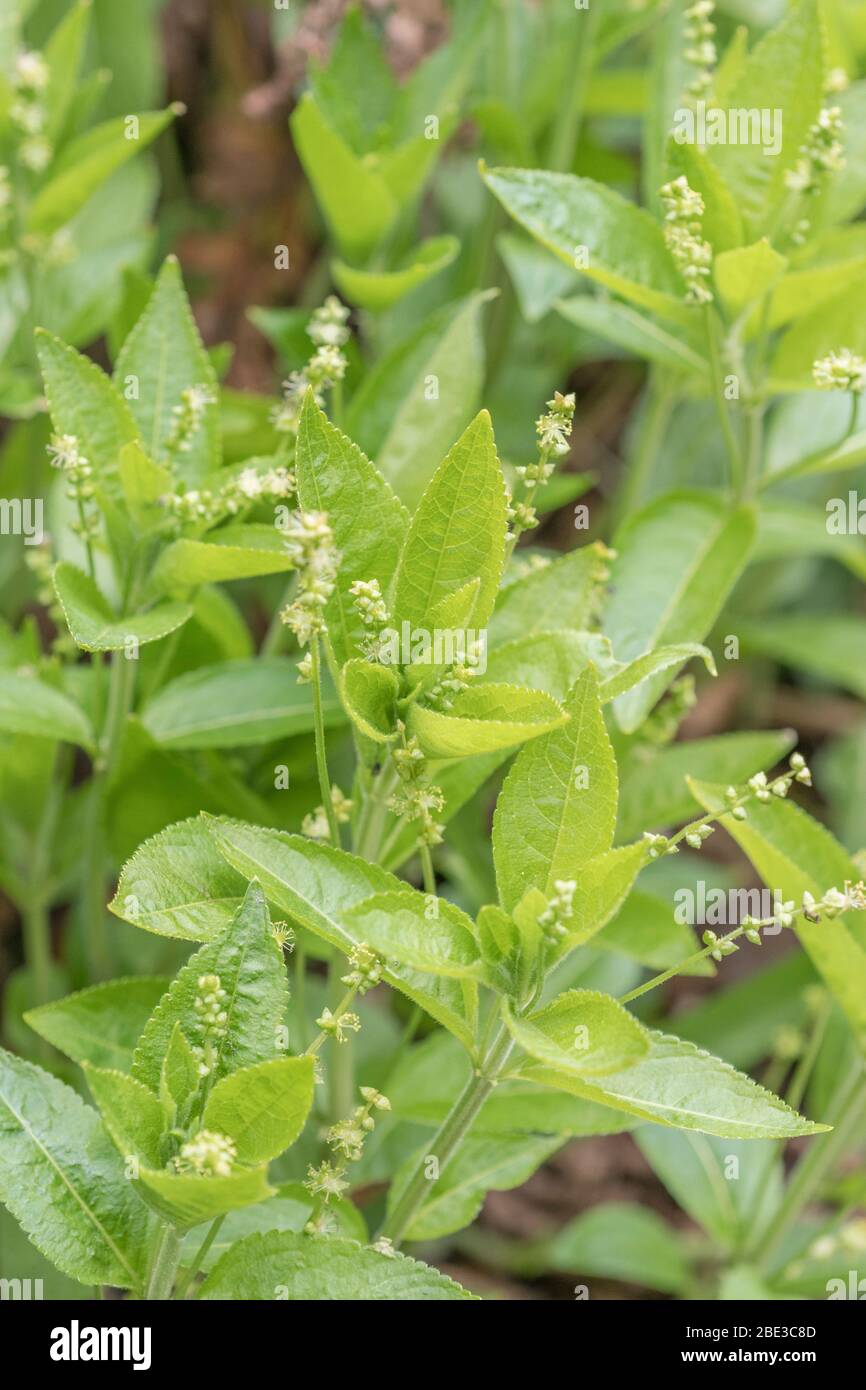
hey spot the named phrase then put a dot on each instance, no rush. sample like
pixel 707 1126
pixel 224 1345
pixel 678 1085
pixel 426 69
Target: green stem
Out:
pixel 846 1114
pixel 299 977
pixel 563 146
pixel 121 684
pixel 427 870
pixel 200 1254
pixel 37 947
pixel 717 387
pixel 449 1137
pixel 321 754
pixel 163 1267
pixel 651 431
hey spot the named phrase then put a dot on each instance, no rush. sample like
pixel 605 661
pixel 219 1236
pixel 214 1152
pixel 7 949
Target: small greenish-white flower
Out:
pixel 837 80
pixel 384 1246
pixel 30 72
pixel 684 211
pixel 366 970
pixel 310 545
pixel 305 669
pixel 208 1153
pixel 759 786
pixel 328 324
pixel 316 825
pixel 699 31
pixel 188 416
pixel 375 1099
pixel 326 1181
pixel 842 370
pixel 559 910
pixel 284 935
pixel 821 154
pixel 802 773
pixel 785 914
pixel 336 1026
pixel 35 154
pixel 209 1004
pixel 369 602
pixel 347 1137
pixel 553 428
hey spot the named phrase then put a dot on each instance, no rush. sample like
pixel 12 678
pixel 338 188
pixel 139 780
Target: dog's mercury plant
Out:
pixel 367 1021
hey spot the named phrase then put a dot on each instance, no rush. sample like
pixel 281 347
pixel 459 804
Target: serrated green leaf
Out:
pixel 187 1199
pixel 602 886
pixel 677 1084
pixel 100 1024
pixel 430 935
pixel 458 532
pixel 96 628
pixel 367 519
pixel 582 1033
pixel 370 696
pixel 143 483
pixel 484 718
pixel 179 1076
pixel 634 673
pixel 677 560
pixel 235 704
pixel 596 231
pixel 178 884
pixel 300 1268
pixel 83 402
pixel 131 1113
pixel 250 966
pixel 164 356
pixel 557 808
pixel 316 884
pixel 63 1180
pixel 29 706
pixel 263 1108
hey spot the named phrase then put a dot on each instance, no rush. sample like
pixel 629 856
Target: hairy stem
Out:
pixel 718 391
pixel 449 1137
pixel 321 753
pixel 163 1265
pixel 195 1264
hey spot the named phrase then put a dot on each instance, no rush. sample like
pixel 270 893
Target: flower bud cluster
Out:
pixel 684 211
pixel 187 417
pixel 310 544
pixel 699 32
pixel 559 911
pixel 821 154
pixel 208 1153
pixel 327 365
pixel 316 826
pixel 415 799
pixel 842 370
pixel 347 1139
pixel 28 113
pixel 366 968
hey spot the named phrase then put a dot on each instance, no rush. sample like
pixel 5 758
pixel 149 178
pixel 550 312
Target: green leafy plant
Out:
pixel 314 659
